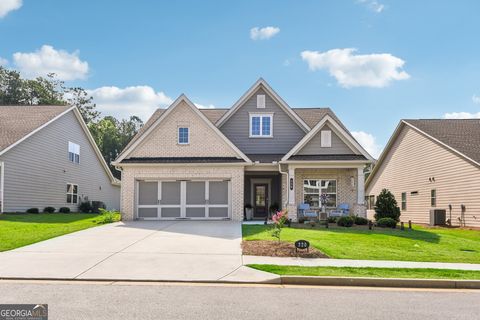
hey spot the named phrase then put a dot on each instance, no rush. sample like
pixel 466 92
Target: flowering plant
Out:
pixel 279 220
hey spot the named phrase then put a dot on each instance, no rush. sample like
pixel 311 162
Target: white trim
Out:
pixel 178 135
pixel 258 84
pixel 325 138
pixel 320 189
pixel 72 194
pixel 181 98
pixel 2 186
pixel 261 101
pixel 203 164
pixel 360 186
pixel 291 191
pixel 261 116
pixel 255 181
pixel 342 134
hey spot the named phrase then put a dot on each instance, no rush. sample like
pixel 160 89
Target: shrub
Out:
pixel 279 220
pixel 64 210
pixel 85 207
pixel 108 216
pixel 387 223
pixel 345 221
pixel 49 209
pixel 361 221
pixel 97 205
pixel 332 219
pixel 33 210
pixel 386 206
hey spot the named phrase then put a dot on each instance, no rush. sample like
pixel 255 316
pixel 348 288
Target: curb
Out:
pixel 381 282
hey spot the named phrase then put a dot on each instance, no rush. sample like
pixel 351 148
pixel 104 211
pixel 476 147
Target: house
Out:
pixel 49 158
pixel 431 164
pixel 190 163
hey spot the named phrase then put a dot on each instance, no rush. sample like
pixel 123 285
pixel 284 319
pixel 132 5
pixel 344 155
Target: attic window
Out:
pixel 261 101
pixel 183 135
pixel 326 138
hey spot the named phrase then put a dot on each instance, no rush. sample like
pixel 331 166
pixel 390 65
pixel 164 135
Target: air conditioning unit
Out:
pixel 438 217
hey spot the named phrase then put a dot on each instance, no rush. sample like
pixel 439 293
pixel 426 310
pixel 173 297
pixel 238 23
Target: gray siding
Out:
pixel 314 146
pixel 286 133
pixel 37 170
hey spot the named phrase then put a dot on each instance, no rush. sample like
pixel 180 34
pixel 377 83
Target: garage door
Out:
pixel 183 199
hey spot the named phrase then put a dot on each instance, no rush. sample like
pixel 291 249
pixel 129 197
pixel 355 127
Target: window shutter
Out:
pixel 261 101
pixel 326 138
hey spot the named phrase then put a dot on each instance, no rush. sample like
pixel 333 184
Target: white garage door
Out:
pixel 183 199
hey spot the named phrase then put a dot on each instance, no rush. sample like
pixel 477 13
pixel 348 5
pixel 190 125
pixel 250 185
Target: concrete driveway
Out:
pixel 137 250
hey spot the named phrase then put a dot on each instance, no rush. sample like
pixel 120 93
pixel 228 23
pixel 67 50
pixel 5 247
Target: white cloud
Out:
pixel 373 5
pixel 263 33
pixel 3 62
pixel 141 101
pixel 67 66
pixel 476 99
pixel 9 5
pixel 201 106
pixel 461 115
pixel 368 142
pixel 357 70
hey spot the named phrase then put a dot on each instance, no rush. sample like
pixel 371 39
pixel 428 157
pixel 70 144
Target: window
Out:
pixel 72 193
pixel 73 152
pixel 183 136
pixel 371 202
pixel 313 189
pixel 261 101
pixel 261 125
pixel 326 138
pixel 404 201
pixel 433 198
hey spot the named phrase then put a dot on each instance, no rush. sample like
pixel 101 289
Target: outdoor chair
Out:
pixel 305 213
pixel 342 210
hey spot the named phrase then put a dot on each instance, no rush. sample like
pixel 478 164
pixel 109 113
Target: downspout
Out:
pixel 286 174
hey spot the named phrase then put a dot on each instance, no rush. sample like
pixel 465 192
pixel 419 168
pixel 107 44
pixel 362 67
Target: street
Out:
pixel 123 300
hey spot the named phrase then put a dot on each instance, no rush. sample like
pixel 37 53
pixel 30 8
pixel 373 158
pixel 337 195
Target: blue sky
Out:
pixel 372 62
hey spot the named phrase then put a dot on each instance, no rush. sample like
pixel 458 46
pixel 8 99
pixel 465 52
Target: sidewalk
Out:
pixel 356 263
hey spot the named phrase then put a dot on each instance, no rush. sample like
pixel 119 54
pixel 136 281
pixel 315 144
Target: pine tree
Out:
pixel 386 206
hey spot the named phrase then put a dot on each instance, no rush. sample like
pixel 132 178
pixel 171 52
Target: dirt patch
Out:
pixel 278 249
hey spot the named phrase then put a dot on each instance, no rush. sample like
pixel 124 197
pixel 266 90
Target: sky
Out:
pixel 372 62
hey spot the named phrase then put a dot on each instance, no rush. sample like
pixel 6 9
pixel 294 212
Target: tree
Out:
pixel 79 98
pixel 386 206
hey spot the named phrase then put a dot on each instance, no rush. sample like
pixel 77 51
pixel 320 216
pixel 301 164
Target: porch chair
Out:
pixel 305 213
pixel 343 209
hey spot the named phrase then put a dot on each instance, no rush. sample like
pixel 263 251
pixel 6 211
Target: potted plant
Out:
pixel 248 212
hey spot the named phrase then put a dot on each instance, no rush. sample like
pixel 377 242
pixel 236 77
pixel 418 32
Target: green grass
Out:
pixel 419 244
pixel 18 230
pixel 369 272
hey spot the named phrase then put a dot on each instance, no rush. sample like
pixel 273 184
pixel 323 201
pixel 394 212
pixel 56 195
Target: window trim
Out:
pixel 321 179
pixel 433 198
pixel 76 159
pixel 188 135
pixel 261 116
pixel 72 193
pixel 404 201
pixel 324 144
pixel 261 96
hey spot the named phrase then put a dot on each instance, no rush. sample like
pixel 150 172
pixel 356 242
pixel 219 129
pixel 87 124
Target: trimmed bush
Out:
pixel 361 221
pixel 107 216
pixel 33 210
pixel 85 207
pixel 345 221
pixel 387 223
pixel 64 210
pixel 49 210
pixel 332 219
pixel 386 206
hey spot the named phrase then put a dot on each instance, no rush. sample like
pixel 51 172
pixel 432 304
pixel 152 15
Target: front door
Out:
pixel 261 200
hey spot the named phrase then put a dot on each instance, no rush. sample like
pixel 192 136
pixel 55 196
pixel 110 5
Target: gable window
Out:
pixel 433 198
pixel 314 188
pixel 72 193
pixel 73 152
pixel 261 101
pixel 261 125
pixel 183 135
pixel 404 201
pixel 326 138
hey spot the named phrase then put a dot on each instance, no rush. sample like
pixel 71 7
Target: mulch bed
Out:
pixel 278 249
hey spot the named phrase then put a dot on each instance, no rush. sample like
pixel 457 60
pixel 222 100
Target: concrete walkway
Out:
pixel 356 263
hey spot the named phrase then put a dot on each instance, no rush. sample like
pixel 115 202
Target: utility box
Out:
pixel 438 217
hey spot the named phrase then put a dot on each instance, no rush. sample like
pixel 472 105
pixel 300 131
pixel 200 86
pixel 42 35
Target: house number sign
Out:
pixel 291 183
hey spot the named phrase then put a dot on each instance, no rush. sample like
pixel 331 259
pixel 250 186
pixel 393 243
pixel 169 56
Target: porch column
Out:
pixel 360 186
pixel 291 186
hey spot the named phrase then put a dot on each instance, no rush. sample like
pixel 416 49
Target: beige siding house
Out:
pixel 190 163
pixel 431 164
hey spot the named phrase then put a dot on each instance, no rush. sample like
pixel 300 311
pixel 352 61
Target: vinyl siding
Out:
pixel 409 164
pixel 286 133
pixel 313 147
pixel 37 170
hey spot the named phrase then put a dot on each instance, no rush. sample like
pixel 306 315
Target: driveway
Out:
pixel 137 250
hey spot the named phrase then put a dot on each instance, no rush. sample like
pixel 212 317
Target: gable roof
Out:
pixel 158 117
pixel 460 136
pixel 260 83
pixel 17 123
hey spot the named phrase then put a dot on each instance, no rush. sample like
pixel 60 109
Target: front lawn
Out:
pixel 419 244
pixel 18 230
pixel 416 273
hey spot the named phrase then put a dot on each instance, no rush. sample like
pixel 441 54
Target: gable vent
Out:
pixel 261 101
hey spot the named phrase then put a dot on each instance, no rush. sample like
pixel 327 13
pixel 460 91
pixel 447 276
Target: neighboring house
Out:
pixel 49 158
pixel 431 164
pixel 209 163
